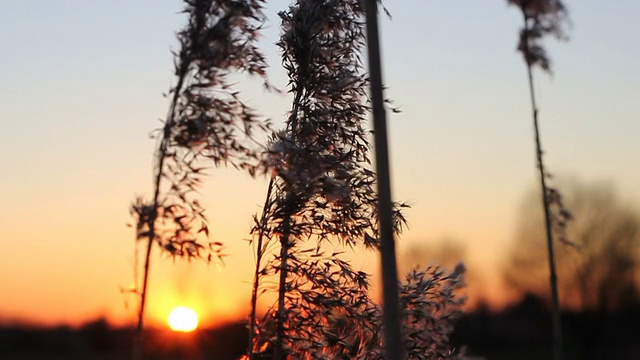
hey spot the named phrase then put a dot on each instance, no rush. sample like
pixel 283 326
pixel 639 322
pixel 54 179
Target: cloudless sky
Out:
pixel 81 86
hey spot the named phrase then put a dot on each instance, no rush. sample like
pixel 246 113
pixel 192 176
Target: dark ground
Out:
pixel 521 332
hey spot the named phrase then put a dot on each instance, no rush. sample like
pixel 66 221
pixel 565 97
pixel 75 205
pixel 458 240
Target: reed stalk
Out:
pixel 392 315
pixel 540 18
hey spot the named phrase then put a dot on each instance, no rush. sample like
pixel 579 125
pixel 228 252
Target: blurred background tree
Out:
pixel 600 271
pixel 446 252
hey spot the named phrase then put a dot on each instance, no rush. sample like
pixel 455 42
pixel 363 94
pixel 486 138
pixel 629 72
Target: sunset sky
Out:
pixel 81 86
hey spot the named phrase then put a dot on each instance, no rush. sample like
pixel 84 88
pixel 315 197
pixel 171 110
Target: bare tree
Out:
pixel 601 273
pixel 445 252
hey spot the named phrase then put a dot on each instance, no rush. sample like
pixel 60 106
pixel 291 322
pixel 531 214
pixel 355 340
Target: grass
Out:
pixel 540 18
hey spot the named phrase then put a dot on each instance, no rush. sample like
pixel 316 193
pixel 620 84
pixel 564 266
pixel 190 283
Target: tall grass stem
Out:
pixel 391 307
pixel 256 275
pixel 553 277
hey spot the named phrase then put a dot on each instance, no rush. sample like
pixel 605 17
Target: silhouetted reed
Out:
pixel 393 335
pixel 206 123
pixel 322 184
pixel 342 322
pixel 321 201
pixel 542 18
pixel 322 188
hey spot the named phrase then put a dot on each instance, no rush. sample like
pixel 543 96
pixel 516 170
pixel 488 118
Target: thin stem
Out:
pixel 391 306
pixel 256 275
pixel 284 240
pixel 162 152
pixel 279 353
pixel 553 278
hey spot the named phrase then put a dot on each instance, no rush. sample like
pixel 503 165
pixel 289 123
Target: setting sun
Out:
pixel 183 319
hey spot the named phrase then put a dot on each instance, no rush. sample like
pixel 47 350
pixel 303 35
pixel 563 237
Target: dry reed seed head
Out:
pixel 458 271
pixel 560 217
pixel 430 304
pixel 323 187
pixel 542 18
pixel 210 117
pixel 328 312
pixel 207 121
pixel 143 213
pixel 329 315
pixel 540 8
pixel 221 35
pixel 322 161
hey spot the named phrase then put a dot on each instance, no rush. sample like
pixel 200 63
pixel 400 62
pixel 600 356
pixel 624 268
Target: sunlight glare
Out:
pixel 183 319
